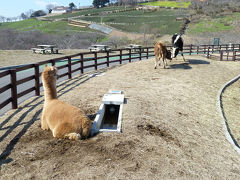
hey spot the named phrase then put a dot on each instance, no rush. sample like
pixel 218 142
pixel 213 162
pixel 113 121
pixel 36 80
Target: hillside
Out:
pixel 33 24
pixel 143 25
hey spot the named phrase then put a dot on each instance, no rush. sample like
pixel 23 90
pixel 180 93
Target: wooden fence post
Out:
pixel 95 60
pixel 37 80
pixel 53 63
pixel 107 58
pixel 140 53
pixel 190 52
pixel 204 49
pixel 212 49
pixel 234 56
pixel 81 62
pixel 69 68
pixel 130 55
pixel 147 52
pixel 14 88
pixel 197 49
pixel 221 55
pixel 208 51
pixel 120 56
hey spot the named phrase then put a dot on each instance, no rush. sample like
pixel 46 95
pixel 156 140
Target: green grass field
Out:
pixel 215 24
pixel 162 21
pixel 168 4
pixel 60 27
pixel 87 11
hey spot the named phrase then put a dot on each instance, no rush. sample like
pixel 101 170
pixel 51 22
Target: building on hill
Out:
pixel 60 10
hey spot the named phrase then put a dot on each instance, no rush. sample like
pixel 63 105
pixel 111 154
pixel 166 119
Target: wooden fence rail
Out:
pixel 94 60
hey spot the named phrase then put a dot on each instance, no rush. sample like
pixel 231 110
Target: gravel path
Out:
pixel 171 127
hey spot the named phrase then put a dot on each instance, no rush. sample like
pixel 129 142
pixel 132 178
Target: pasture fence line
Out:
pixel 14 79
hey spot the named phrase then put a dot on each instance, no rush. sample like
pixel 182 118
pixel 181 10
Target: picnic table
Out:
pixel 44 48
pixel 134 47
pixel 99 48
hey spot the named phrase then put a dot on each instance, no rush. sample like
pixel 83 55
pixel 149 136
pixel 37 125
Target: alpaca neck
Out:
pixel 50 91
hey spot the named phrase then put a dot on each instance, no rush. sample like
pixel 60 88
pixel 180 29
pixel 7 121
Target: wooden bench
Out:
pixel 45 50
pixel 38 50
pixel 134 47
pixel 99 48
pixel 52 51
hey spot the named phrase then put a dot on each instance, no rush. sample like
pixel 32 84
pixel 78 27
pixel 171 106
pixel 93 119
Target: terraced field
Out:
pixel 162 21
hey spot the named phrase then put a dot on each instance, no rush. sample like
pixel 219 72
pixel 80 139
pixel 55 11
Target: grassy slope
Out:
pixel 43 26
pixel 87 11
pixel 168 4
pixel 215 24
pixel 163 20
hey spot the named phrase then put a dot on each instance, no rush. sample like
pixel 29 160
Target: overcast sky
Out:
pixel 13 8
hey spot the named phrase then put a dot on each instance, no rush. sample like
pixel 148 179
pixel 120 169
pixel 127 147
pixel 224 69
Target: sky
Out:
pixel 13 8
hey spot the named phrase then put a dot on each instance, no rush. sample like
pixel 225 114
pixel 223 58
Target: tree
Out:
pixel 23 16
pixel 100 3
pixel 2 19
pixel 38 13
pixel 49 7
pixel 72 5
pixel 145 28
pixel 29 13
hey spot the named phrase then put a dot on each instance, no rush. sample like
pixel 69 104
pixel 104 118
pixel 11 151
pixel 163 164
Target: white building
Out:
pixel 60 10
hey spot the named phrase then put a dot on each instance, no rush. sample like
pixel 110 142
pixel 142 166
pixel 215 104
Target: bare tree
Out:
pixel 29 13
pixel 145 29
pixel 2 19
pixel 23 16
pixel 50 6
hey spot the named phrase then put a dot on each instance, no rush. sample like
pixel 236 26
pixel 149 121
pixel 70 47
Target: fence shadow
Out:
pixel 63 88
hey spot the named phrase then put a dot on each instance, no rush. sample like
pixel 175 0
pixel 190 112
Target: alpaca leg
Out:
pixel 65 130
pixel 44 124
pixel 73 136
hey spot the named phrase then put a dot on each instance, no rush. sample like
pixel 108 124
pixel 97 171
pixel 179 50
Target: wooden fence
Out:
pixel 91 60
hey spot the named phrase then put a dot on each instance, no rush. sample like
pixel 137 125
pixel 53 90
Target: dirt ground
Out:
pixel 17 57
pixel 171 127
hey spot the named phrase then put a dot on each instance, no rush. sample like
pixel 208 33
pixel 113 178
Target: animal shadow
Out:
pixel 197 61
pixel 180 66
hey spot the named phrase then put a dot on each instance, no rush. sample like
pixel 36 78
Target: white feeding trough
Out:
pixel 109 116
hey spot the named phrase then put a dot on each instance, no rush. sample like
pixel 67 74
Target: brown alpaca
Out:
pixel 160 51
pixel 64 120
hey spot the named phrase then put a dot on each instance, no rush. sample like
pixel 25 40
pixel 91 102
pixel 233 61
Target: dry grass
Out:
pixel 171 127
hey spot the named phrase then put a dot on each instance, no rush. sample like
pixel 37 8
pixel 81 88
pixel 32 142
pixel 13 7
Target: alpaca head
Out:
pixel 49 74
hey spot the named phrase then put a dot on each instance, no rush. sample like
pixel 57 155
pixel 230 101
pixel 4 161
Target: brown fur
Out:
pixel 160 51
pixel 64 120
